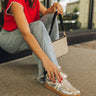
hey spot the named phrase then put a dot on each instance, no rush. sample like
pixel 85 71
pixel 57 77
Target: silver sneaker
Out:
pixel 64 88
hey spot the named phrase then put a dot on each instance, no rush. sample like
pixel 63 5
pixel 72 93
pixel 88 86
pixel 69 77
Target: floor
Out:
pixel 19 77
pixel 88 45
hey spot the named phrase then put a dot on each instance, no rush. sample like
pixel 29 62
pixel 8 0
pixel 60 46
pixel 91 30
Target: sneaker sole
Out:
pixel 54 90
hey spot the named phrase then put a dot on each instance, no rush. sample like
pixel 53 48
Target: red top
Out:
pixel 32 14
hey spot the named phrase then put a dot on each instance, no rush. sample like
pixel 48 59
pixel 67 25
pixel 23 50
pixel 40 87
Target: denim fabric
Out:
pixel 13 42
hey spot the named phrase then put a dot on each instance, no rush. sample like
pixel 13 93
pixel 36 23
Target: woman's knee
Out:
pixel 37 26
pixel 38 29
pixel 49 16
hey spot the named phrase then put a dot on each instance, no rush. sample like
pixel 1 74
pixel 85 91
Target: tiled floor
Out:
pixel 89 45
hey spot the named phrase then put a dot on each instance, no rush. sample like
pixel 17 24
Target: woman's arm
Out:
pixel 23 26
pixel 52 9
pixel 44 10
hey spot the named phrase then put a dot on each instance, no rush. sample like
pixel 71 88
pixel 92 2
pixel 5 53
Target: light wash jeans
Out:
pixel 13 42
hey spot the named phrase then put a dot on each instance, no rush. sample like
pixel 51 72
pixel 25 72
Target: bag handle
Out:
pixel 61 21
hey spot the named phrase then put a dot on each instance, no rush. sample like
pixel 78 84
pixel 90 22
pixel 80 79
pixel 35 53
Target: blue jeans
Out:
pixel 13 42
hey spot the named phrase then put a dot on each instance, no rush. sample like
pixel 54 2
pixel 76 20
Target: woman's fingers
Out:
pixel 56 74
pixel 60 11
pixel 59 7
pixel 54 10
pixel 49 75
pixel 53 77
pixel 58 77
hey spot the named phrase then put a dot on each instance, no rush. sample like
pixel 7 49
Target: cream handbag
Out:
pixel 60 45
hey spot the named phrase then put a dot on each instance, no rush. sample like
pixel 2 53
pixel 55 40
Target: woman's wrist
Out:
pixel 49 10
pixel 44 58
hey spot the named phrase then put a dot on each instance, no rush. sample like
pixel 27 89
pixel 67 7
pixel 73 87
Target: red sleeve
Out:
pixel 10 2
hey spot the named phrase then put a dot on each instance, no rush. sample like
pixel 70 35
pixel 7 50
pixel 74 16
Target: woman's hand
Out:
pixel 52 9
pixel 57 6
pixel 52 70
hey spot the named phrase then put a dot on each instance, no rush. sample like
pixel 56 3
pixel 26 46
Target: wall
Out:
pixel 71 6
pixel 0 6
pixel 84 13
pixel 94 15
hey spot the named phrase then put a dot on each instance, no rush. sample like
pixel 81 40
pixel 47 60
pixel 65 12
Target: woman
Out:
pixel 23 29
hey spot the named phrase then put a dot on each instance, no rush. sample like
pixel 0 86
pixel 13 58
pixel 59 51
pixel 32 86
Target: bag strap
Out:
pixel 53 20
pixel 61 22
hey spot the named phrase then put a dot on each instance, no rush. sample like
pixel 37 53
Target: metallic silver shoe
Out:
pixel 63 89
